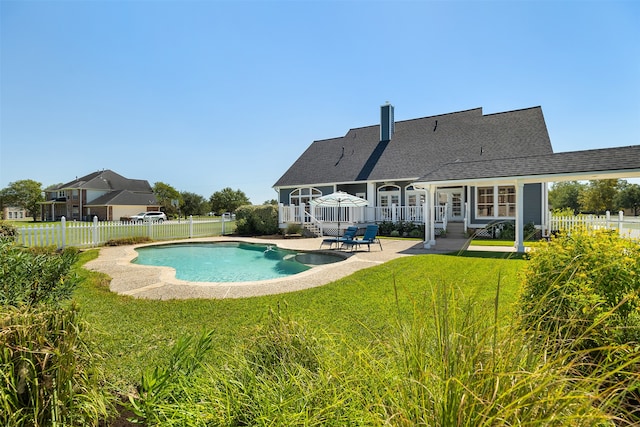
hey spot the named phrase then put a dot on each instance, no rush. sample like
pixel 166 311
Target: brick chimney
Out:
pixel 387 123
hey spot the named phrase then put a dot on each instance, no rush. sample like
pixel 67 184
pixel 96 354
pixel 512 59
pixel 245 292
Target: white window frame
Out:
pixel 410 191
pixel 304 195
pixel 385 190
pixel 498 201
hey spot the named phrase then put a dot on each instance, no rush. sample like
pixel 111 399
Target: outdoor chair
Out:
pixel 349 234
pixel 370 236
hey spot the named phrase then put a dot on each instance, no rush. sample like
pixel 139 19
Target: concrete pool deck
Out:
pixel 141 281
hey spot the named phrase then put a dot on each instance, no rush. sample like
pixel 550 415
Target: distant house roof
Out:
pixel 106 180
pixel 420 146
pixel 618 162
pixel 125 197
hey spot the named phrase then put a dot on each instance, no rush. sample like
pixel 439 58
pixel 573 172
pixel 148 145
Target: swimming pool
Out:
pixel 230 261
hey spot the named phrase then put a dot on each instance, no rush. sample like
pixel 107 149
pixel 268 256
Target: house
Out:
pixel 104 194
pixel 464 169
pixel 14 213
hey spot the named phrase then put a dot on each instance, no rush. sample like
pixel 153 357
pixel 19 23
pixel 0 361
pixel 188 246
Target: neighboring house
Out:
pixel 464 167
pixel 14 213
pixel 104 194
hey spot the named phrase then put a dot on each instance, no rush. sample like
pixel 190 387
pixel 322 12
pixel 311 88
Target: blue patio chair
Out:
pixel 370 236
pixel 349 234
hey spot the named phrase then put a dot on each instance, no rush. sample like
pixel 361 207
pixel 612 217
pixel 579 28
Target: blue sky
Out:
pixel 204 95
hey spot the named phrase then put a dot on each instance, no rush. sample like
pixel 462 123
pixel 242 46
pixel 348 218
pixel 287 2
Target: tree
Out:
pixel 629 197
pixel 271 202
pixel 167 195
pixel 227 200
pixel 566 194
pixel 193 204
pixel 599 196
pixel 26 194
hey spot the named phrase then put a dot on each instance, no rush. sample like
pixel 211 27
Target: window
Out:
pixel 507 200
pixel 496 202
pixel 414 197
pixel 485 201
pixel 388 195
pixel 303 195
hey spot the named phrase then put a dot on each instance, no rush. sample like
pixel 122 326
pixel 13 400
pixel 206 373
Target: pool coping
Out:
pixel 150 282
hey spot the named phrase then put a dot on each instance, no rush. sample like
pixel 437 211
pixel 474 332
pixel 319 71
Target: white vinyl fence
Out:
pixel 626 226
pixel 92 234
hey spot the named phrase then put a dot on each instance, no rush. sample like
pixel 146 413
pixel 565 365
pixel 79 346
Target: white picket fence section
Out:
pixel 626 226
pixel 96 233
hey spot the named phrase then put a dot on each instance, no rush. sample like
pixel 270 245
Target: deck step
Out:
pixel 456 230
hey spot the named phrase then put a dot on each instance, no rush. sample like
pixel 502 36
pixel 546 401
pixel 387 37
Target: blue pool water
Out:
pixel 229 261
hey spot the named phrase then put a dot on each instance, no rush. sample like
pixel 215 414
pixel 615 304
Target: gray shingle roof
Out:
pixel 125 198
pixel 107 180
pixel 420 146
pixel 622 159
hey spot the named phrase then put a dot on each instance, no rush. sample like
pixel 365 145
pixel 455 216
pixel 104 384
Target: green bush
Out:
pixel 581 294
pixel 571 282
pixel 47 374
pixel 29 277
pixel 293 228
pixel 128 241
pixel 257 220
pixel 400 229
pixel 7 231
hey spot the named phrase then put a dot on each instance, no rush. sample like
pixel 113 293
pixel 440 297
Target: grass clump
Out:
pixel 450 364
pixel 580 300
pixel 134 240
pixel 48 375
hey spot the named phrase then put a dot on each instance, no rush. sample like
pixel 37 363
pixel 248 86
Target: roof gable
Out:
pixel 125 198
pixel 419 146
pixel 622 160
pixel 106 180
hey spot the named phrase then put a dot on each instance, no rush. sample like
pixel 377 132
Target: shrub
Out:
pixel 134 240
pixel 385 228
pixel 571 282
pixel 416 232
pixel 47 374
pixel 293 228
pixel 36 276
pixel 581 293
pixel 257 220
pixel 7 231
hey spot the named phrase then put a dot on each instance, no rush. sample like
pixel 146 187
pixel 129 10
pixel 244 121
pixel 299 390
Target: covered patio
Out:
pixel 609 163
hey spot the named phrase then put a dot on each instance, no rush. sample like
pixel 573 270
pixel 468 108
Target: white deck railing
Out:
pixel 92 234
pixel 626 226
pixel 346 215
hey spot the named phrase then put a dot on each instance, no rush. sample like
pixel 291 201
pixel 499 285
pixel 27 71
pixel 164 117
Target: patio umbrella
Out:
pixel 339 199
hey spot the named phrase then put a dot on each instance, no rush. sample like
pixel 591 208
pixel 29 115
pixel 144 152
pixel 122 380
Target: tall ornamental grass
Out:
pixel 48 375
pixel 581 300
pixel 451 364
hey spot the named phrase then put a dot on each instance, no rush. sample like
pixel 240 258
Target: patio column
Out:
pixel 371 198
pixel 519 243
pixel 426 208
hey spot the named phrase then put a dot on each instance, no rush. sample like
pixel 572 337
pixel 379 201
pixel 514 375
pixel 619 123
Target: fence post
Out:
pixel 95 231
pixel 223 224
pixel 63 232
pixel 190 226
pixel 620 223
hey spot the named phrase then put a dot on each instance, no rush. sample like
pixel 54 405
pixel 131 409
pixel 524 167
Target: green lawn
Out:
pixel 498 242
pixel 136 334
